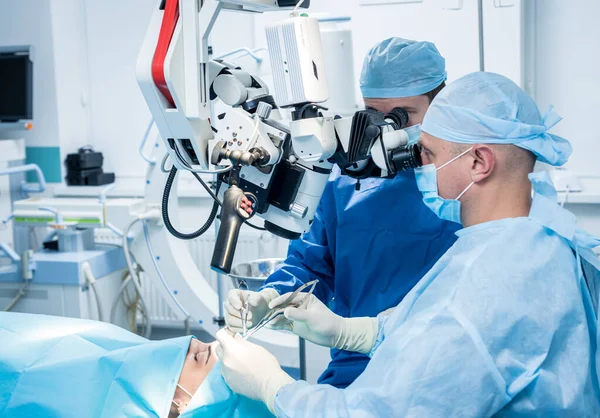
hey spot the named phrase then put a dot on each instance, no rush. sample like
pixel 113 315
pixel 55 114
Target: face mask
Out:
pixel 448 209
pixel 214 399
pixel 178 405
pixel 413 132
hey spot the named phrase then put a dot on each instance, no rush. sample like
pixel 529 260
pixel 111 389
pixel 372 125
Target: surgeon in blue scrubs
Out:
pixel 373 239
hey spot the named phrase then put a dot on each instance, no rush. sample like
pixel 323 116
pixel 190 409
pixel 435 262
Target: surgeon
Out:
pixel 64 367
pixel 503 324
pixel 371 240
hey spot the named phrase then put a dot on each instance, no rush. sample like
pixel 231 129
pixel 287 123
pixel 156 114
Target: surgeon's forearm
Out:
pixel 274 383
pixel 357 334
pixel 303 400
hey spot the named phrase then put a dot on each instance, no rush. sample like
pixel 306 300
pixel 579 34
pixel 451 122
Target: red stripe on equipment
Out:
pixel 167 27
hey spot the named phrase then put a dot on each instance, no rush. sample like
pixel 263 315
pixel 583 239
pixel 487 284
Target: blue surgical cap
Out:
pixel 400 67
pixel 487 108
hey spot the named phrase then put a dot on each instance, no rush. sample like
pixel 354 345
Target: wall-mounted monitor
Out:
pixel 16 84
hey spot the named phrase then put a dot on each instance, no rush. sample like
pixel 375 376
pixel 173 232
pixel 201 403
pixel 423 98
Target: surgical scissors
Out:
pixel 279 309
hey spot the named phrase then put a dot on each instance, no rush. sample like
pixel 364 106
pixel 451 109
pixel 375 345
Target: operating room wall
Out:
pixel 455 32
pixel 119 115
pixel 85 90
pixel 566 74
pixel 85 51
pixel 17 20
pixel 53 42
pixel 70 76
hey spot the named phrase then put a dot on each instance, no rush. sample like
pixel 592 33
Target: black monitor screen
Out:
pixel 16 87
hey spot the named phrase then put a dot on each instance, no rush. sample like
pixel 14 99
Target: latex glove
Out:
pixel 258 307
pixel 316 323
pixel 250 369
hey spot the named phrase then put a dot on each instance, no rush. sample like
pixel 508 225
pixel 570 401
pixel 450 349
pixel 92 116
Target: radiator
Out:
pixel 160 312
pixel 251 246
pixel 201 249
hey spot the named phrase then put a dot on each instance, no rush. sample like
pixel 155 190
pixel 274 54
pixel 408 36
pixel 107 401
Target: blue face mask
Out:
pixel 413 132
pixel 448 209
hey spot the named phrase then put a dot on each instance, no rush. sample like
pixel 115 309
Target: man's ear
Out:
pixel 483 163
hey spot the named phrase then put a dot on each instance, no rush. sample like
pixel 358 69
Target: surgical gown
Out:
pixel 367 248
pixel 502 325
pixel 64 367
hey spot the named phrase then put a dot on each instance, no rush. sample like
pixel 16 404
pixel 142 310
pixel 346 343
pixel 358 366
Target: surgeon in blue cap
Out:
pixel 504 324
pixel 370 242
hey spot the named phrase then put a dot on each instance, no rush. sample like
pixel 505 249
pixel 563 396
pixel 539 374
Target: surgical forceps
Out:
pixel 279 309
pixel 242 285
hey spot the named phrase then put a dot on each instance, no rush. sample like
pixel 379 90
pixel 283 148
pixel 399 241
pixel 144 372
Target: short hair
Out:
pixel 458 148
pixel 518 160
pixel 431 94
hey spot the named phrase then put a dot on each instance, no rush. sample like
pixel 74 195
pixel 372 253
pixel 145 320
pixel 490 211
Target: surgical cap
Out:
pixel 487 108
pixel 400 67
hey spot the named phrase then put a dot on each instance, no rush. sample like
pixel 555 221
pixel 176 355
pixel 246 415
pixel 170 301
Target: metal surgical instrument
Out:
pixel 244 310
pixel 279 309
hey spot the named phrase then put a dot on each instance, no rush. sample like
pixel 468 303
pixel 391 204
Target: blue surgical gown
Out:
pixel 367 248
pixel 64 367
pixel 502 325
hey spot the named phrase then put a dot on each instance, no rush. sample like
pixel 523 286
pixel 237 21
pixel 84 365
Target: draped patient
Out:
pixel 64 367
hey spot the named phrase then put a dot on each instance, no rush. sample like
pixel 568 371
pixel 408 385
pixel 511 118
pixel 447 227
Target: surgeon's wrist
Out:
pixel 357 334
pixel 273 385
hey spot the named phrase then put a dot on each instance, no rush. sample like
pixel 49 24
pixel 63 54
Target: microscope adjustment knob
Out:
pixel 264 110
pixel 298 210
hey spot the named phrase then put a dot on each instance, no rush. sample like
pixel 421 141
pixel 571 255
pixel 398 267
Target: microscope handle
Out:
pixel 233 215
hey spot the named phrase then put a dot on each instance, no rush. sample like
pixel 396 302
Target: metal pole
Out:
pixel 302 346
pixel 187 325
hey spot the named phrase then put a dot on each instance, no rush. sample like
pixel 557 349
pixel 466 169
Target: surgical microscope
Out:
pixel 273 167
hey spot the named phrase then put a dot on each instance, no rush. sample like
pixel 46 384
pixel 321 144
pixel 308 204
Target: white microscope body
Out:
pixel 273 168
